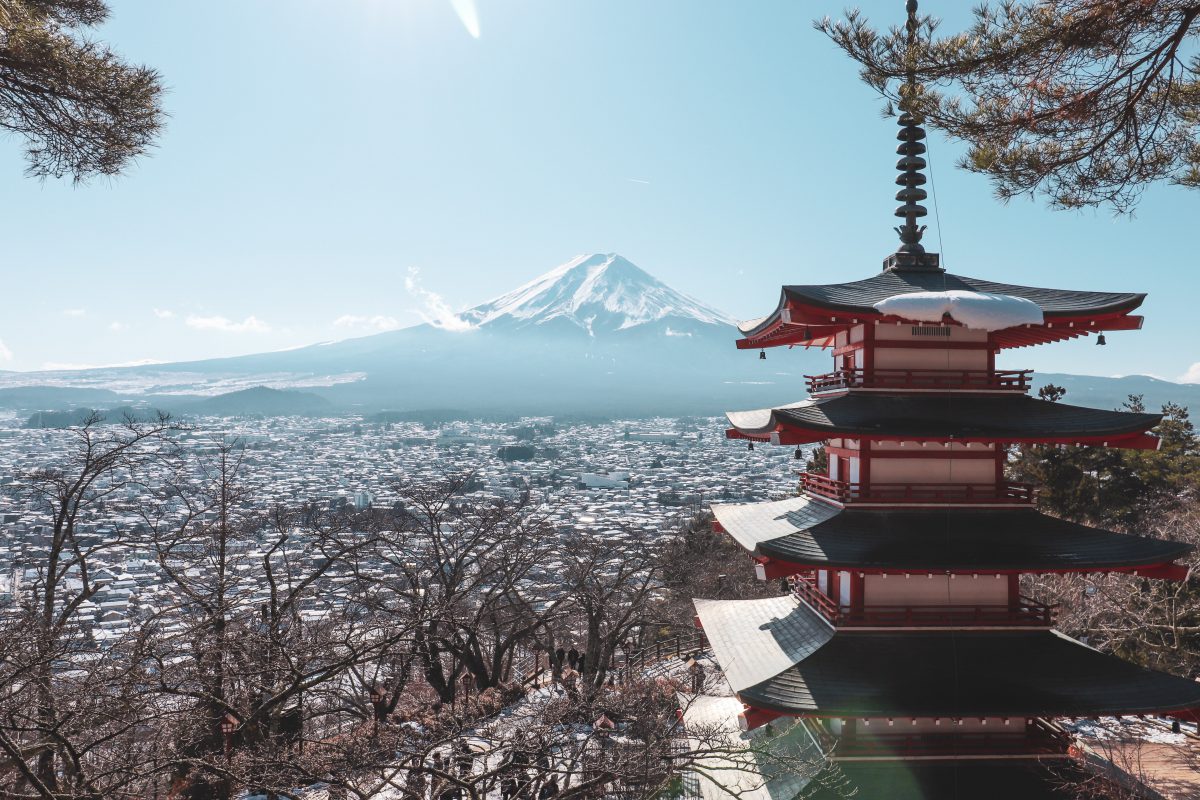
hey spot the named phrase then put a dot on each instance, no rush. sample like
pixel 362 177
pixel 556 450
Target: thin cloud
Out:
pixel 5 353
pixel 638 180
pixel 378 322
pixel 163 313
pixel 74 312
pixel 250 324
pixel 72 366
pixel 1192 375
pixel 434 309
pixel 117 326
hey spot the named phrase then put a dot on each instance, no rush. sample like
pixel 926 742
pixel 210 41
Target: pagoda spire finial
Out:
pixel 911 254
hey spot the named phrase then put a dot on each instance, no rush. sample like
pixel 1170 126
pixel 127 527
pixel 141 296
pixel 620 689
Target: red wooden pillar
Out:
pixel 864 466
pixel 868 353
pixel 857 590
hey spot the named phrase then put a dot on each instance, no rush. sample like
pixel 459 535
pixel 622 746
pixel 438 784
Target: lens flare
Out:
pixel 468 15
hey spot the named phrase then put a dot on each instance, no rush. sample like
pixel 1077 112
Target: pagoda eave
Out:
pixel 792 436
pixel 800 534
pixel 769 568
pixel 953 674
pixel 799 321
pixel 949 418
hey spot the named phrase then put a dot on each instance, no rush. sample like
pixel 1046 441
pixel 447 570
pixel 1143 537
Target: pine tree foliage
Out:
pixel 1111 487
pixel 1083 101
pixel 79 108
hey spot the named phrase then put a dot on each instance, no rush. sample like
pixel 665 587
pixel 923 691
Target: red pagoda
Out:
pixel 907 647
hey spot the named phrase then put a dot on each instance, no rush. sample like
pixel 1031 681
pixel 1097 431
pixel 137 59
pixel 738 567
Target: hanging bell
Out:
pixel 799 454
pixel 1100 340
pixel 762 355
pixel 749 445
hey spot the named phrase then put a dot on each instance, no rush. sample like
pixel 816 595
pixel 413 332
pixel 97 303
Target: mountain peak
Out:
pixel 596 292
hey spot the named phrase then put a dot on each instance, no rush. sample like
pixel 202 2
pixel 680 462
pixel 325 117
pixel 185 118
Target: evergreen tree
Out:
pixel 80 109
pixel 1084 101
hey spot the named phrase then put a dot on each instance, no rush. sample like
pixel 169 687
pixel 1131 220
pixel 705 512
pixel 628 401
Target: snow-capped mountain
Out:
pixel 596 293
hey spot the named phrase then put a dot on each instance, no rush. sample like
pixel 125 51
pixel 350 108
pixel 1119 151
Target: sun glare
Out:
pixel 468 15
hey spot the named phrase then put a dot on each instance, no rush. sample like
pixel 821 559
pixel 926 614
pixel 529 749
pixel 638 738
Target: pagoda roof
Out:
pixel 957 779
pixel 958 417
pixel 814 534
pixel 967 674
pixel 828 307
pixel 861 296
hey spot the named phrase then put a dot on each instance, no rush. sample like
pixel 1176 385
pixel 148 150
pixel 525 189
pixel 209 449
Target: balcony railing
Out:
pixel 1001 493
pixel 921 379
pixel 1025 614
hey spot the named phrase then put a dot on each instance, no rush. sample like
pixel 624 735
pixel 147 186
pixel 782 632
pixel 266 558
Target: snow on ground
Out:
pixel 979 310
pixel 1114 729
pixel 741 768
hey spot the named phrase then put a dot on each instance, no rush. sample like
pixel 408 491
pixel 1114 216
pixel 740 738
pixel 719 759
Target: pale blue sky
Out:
pixel 321 154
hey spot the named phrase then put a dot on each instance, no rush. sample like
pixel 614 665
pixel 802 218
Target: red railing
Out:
pixel 1003 493
pixel 927 379
pixel 1040 737
pixel 805 587
pixel 1025 613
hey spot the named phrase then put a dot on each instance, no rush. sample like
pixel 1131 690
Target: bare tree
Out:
pixel 478 576
pixel 612 585
pixel 104 464
pixel 1152 622
pixel 269 627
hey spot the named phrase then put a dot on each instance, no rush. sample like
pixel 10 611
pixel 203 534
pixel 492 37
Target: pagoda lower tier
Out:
pixel 783 658
pixel 950 780
pixel 802 534
pixel 957 417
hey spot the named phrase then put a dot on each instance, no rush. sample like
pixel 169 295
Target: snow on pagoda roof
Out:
pixel 967 674
pixel 755 640
pixel 978 310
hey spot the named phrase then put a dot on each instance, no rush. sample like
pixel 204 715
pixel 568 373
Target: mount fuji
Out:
pixel 595 335
pixel 598 294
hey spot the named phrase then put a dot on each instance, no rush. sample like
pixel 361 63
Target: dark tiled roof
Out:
pixel 862 295
pixel 943 416
pixel 934 539
pixel 946 780
pixel 955 673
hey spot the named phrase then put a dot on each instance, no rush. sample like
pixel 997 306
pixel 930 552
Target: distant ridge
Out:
pixel 1111 393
